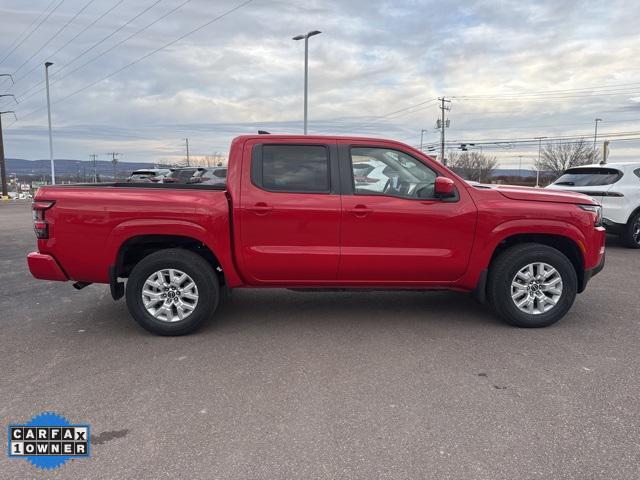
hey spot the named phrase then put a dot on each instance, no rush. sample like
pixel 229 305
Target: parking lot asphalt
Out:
pixel 286 385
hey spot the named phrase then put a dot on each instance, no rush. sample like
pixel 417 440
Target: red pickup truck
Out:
pixel 319 212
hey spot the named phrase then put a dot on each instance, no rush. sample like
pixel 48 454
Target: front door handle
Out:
pixel 360 210
pixel 260 208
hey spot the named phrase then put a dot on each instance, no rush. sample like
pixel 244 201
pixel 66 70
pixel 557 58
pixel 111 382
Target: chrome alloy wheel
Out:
pixel 170 295
pixel 636 230
pixel 536 288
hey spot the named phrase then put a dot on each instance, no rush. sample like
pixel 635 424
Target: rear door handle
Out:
pixel 260 208
pixel 360 210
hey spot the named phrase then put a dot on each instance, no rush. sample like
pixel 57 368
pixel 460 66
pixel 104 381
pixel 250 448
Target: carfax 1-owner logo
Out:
pixel 48 440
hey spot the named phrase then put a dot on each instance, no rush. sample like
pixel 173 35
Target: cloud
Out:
pixel 244 72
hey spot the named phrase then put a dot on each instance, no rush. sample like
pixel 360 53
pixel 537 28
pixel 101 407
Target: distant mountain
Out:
pixel 513 172
pixel 38 168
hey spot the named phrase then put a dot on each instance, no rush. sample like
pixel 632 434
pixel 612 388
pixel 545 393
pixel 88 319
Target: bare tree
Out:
pixel 556 157
pixel 474 166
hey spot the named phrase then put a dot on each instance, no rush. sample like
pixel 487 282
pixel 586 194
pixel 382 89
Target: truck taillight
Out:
pixel 40 225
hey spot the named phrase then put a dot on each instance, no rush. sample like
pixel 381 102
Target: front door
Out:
pixel 394 229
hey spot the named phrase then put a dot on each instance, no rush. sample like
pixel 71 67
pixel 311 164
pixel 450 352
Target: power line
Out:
pixel 22 96
pixel 389 116
pixel 14 46
pixel 153 52
pixel 58 32
pixel 52 55
pixel 137 32
pixel 557 91
pixel 531 97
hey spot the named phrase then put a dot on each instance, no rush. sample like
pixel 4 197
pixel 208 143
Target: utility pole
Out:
pixel 595 136
pixel 443 124
pixel 93 158
pixel 605 152
pixel 3 170
pixel 114 160
pixel 538 164
pixel 520 167
pixel 187 142
pixel 46 78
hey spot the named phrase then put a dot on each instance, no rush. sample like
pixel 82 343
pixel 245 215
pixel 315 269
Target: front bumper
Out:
pixel 589 274
pixel 45 267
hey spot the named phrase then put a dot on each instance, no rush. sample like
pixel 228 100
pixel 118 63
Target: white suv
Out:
pixel 617 187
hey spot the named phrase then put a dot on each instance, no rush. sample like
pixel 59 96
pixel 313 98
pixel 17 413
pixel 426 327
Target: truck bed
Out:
pixel 88 224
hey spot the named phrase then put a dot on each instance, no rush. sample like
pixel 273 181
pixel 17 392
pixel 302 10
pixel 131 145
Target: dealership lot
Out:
pixel 321 385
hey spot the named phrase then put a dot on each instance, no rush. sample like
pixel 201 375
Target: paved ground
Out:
pixel 313 385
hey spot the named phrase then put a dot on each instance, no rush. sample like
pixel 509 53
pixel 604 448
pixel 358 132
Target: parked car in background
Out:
pixel 182 175
pixel 210 176
pixel 617 187
pixel 149 175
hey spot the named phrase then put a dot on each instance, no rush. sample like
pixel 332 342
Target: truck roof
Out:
pixel 317 137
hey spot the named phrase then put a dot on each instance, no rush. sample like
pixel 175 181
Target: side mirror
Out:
pixel 444 187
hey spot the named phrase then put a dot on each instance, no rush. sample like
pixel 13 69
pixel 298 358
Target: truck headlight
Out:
pixel 597 210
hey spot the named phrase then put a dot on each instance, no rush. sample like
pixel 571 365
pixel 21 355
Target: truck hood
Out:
pixel 542 195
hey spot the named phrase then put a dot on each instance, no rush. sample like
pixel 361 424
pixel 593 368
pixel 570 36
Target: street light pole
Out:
pixel 53 168
pixel 306 69
pixel 538 163
pixel 595 135
pixel 422 138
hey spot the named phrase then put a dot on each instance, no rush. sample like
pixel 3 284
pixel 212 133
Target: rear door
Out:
pixel 394 229
pixel 289 212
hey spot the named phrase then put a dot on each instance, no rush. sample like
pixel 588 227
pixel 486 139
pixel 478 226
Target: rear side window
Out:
pixel 589 177
pixel 637 172
pixel 293 168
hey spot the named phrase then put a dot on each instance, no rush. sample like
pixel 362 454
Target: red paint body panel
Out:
pixel 264 239
pixel 45 267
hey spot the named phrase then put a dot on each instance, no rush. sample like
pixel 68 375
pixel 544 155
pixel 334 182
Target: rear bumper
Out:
pixel 45 267
pixel 613 227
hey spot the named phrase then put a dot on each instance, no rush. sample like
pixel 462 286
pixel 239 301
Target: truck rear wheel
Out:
pixel 172 292
pixel 532 285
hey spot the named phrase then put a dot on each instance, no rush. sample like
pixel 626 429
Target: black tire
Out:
pixel 503 271
pixel 630 238
pixel 188 262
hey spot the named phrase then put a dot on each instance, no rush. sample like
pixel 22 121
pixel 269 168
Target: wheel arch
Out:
pixel 566 245
pixel 135 248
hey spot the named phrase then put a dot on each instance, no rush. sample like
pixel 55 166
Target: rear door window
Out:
pixel 293 169
pixel 589 177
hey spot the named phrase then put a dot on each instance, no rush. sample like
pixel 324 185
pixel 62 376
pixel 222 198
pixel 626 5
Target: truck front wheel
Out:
pixel 172 292
pixel 532 285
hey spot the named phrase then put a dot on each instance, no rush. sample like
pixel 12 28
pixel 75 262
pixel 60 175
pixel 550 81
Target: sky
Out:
pixel 138 77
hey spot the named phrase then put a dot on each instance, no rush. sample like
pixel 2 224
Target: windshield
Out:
pixel 589 177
